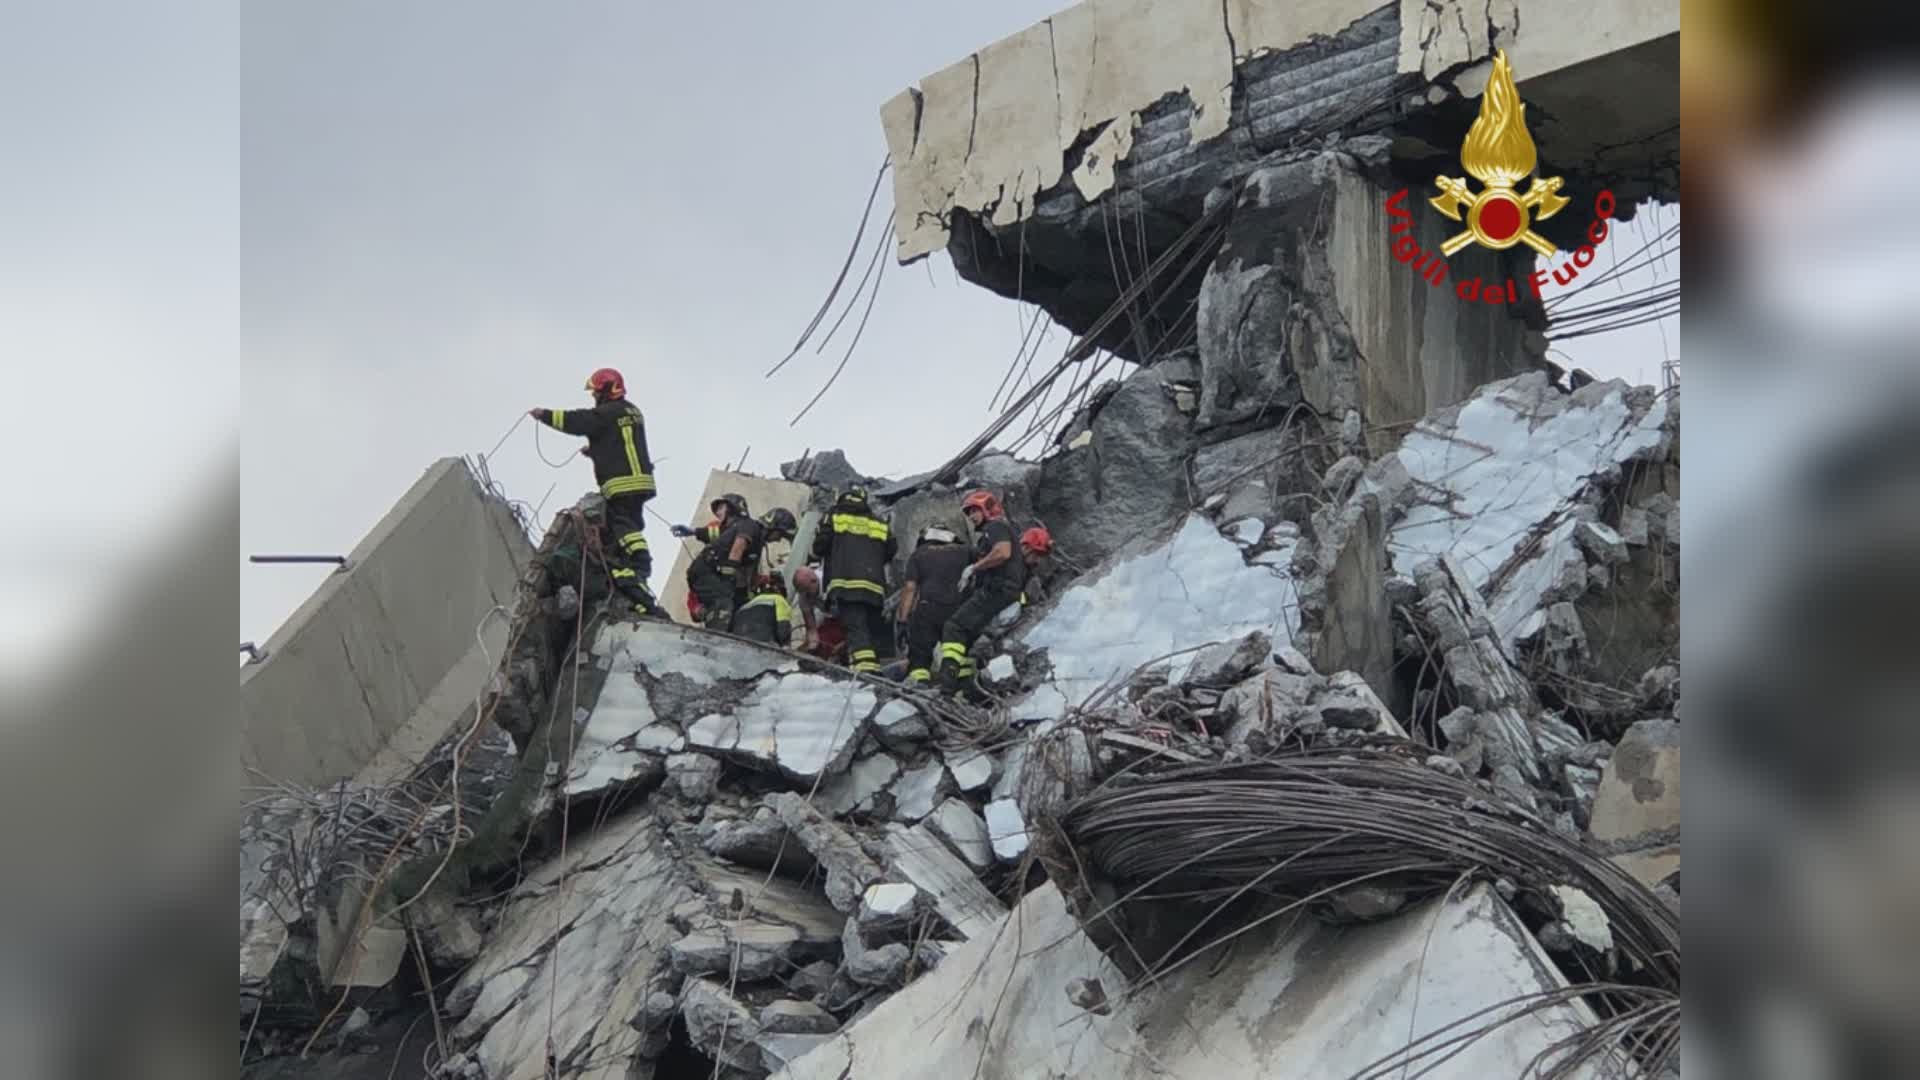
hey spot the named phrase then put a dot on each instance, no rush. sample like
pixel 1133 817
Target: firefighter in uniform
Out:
pixel 930 596
pixel 711 573
pixel 767 617
pixel 722 574
pixel 857 547
pixel 616 438
pixel 988 585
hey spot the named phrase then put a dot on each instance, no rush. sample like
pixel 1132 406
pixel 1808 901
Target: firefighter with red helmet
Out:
pixel 616 437
pixel 1036 550
pixel 988 585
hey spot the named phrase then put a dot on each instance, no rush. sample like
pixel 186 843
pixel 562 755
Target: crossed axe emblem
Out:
pixel 1541 195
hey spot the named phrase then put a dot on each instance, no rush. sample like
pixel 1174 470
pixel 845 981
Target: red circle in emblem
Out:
pixel 1500 218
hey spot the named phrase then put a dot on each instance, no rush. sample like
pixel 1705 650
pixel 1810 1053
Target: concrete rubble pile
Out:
pixel 708 851
pixel 1330 509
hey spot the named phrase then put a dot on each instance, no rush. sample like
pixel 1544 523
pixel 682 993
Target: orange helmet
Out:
pixel 607 381
pixel 982 501
pixel 1036 540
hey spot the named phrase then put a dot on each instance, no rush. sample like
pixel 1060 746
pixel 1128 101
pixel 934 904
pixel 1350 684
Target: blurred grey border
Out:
pixel 119 318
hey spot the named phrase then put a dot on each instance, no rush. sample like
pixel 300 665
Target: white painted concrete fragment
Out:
pixel 916 792
pixel 955 822
pixel 1584 918
pixel 1247 531
pixel 890 899
pixel 1006 829
pixel 971 770
pixel 1000 668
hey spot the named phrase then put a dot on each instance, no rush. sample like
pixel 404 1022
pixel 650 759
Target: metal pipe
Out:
pixel 340 560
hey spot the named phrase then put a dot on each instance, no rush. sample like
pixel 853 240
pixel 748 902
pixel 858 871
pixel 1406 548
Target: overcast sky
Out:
pixel 452 213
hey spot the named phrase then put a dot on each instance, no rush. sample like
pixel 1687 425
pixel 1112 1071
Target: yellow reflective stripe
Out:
pixel 621 573
pixel 860 525
pixel 627 485
pixel 864 586
pixel 953 651
pixel 558 419
pixel 864 654
pixel 920 674
pixel 782 611
pixel 633 453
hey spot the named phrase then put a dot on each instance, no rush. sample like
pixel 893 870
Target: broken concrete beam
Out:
pixel 849 870
pixel 868 965
pixel 956 823
pixel 450 934
pixel 956 895
pixel 719 1026
pixel 752 950
pixel 786 1017
pixel 694 777
pixel 1227 662
pixel 761 842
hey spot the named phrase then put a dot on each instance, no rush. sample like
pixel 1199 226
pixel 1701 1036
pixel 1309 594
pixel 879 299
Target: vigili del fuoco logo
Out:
pixel 1499 153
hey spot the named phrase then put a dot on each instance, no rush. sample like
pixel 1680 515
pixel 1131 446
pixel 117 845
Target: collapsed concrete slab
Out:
pixel 1162 598
pixel 1318 1001
pixel 578 945
pixel 1495 482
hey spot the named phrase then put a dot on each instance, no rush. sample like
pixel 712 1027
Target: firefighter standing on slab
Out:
pixel 856 547
pixel 988 585
pixel 930 596
pixel 616 437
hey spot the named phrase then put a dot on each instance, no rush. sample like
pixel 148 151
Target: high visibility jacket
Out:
pixel 767 617
pixel 616 441
pixel 857 548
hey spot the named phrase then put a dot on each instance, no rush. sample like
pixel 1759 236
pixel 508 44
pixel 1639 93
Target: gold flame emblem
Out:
pixel 1499 153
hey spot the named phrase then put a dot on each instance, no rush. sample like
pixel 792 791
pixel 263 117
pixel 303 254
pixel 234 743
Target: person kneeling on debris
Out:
pixel 988 585
pixel 616 437
pixel 767 617
pixel 857 547
pixel 930 596
pixel 1036 550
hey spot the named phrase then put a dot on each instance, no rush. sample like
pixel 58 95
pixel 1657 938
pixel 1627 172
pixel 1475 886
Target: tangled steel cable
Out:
pixel 1312 822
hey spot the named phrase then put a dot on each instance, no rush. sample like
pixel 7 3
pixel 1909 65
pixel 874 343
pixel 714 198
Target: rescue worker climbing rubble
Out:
pixel 616 435
pixel 988 584
pixel 930 596
pixel 767 617
pixel 856 547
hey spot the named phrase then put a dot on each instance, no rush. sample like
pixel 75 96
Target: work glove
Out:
pixel 680 531
pixel 966 577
